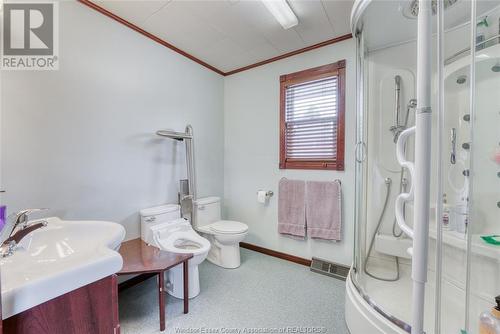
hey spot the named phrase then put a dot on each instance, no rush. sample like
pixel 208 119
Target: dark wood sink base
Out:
pixel 91 309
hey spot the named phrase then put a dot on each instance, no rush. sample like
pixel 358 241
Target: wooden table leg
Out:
pixel 161 299
pixel 186 286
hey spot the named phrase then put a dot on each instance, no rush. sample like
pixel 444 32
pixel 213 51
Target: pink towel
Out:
pixel 291 207
pixel 324 210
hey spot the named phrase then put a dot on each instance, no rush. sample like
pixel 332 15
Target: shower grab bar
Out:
pixel 404 196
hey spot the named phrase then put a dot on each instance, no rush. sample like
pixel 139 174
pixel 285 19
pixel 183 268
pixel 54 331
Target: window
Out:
pixel 312 118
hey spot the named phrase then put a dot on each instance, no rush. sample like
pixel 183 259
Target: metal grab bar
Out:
pixel 405 196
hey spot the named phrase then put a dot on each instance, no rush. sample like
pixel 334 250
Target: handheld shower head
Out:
pixel 397 129
pixel 180 136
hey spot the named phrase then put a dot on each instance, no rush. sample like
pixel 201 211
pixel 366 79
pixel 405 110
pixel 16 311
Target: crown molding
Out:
pixel 172 47
pixel 290 54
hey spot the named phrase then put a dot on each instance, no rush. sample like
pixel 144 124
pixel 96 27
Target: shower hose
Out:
pixel 388 183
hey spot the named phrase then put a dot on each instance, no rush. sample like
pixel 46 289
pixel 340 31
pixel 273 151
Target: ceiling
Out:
pixel 230 34
pixel 385 15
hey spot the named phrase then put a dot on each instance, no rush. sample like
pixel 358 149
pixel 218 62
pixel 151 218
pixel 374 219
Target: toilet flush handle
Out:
pixel 150 219
pixel 201 207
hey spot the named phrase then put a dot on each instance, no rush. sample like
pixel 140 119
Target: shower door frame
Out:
pixel 361 171
pixel 360 154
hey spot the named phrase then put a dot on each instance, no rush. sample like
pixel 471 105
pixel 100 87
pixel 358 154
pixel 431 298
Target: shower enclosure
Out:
pixel 427 166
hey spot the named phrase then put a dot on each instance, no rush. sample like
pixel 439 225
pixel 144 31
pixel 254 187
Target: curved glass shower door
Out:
pixel 463 271
pixel 386 108
pixel 484 252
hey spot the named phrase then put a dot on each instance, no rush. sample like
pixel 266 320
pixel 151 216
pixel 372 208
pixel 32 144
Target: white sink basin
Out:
pixel 56 259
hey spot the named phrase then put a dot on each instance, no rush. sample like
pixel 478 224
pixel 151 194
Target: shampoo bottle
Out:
pixel 489 321
pixel 445 220
pixel 482 26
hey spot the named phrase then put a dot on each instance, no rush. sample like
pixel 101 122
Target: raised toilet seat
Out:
pixel 177 236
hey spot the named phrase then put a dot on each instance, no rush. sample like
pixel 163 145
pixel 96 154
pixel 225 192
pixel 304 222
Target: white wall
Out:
pixel 81 140
pixel 251 104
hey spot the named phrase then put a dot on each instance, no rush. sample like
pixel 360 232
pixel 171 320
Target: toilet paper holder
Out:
pixel 269 193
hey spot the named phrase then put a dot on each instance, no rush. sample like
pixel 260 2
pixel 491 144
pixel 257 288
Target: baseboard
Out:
pixel 134 281
pixel 279 255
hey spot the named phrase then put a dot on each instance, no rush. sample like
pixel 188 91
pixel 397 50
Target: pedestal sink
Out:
pixel 57 259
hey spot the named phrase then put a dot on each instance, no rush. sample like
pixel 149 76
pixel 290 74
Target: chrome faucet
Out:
pixel 10 242
pixel 22 218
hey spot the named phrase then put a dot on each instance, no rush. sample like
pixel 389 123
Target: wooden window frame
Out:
pixel 335 69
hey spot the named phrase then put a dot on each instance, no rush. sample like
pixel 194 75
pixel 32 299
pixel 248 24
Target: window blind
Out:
pixel 311 119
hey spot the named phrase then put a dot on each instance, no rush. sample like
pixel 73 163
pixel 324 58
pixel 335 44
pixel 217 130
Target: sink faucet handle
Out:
pixel 22 216
pixel 27 212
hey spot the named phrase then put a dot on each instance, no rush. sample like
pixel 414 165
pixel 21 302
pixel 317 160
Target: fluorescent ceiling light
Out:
pixel 282 12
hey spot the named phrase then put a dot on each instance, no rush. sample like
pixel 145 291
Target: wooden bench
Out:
pixel 140 258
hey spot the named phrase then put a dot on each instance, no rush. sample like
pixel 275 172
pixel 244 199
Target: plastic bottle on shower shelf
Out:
pixel 482 26
pixel 496 156
pixel 489 321
pixel 460 218
pixel 445 220
pixel 460 212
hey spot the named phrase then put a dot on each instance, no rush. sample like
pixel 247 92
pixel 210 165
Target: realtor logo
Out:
pixel 29 38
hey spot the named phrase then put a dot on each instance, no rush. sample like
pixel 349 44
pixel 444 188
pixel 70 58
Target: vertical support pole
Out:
pixel 472 112
pixel 191 171
pixel 439 199
pixel 161 298
pixel 422 165
pixel 186 286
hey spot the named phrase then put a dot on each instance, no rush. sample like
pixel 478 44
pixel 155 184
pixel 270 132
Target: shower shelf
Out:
pixel 465 52
pixel 463 62
pixel 459 241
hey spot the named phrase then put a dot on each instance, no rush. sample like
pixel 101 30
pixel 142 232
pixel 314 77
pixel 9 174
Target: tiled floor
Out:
pixel 264 295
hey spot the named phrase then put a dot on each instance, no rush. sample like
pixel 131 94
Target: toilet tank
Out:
pixel 157 215
pixel 207 210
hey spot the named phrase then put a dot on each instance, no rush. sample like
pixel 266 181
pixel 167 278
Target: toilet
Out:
pixel 224 235
pixel 163 227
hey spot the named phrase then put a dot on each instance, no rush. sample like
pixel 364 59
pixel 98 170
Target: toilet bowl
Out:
pixel 162 227
pixel 224 235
